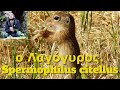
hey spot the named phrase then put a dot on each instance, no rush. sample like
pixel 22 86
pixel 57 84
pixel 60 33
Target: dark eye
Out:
pixel 57 18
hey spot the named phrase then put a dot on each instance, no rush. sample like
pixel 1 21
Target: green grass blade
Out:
pixel 13 59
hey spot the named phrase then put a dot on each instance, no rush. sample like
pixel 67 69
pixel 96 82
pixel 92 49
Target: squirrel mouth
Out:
pixel 46 33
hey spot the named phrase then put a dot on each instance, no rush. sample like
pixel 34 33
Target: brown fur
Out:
pixel 62 30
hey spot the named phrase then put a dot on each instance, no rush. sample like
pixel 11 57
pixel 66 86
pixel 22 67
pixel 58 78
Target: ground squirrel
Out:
pixel 61 29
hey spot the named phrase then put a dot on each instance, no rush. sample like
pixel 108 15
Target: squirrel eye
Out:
pixel 56 18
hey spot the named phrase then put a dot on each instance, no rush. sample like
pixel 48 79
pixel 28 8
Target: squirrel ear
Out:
pixel 68 20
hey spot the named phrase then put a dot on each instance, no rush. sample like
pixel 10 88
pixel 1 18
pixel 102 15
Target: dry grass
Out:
pixel 97 32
